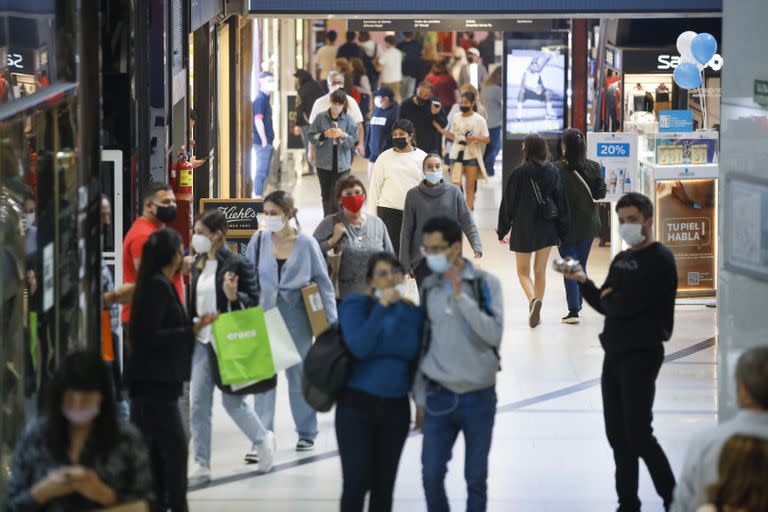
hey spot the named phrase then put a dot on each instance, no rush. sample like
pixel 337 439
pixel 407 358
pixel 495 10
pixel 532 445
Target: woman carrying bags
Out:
pixel 220 282
pixel 354 233
pixel 535 229
pixel 396 171
pixel 383 332
pixel 287 261
pixel 583 185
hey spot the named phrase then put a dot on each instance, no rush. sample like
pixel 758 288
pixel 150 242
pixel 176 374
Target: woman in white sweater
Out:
pixel 396 171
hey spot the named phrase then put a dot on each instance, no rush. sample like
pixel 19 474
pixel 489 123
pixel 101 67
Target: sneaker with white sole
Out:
pixel 571 318
pixel 267 450
pixel 199 475
pixel 305 445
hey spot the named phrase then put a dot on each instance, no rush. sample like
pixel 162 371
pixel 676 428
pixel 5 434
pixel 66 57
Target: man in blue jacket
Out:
pixel 379 136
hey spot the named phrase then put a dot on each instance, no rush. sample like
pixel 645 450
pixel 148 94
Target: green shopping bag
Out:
pixel 242 346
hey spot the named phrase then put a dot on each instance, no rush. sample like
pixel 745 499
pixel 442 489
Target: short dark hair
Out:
pixel 364 36
pixel 214 220
pixel 152 189
pixel 637 200
pixel 350 36
pixel 430 155
pixel 407 127
pixel 339 96
pixel 331 36
pixel 390 40
pixel 348 181
pixel 535 149
pixel 408 34
pixel 383 257
pixel 752 373
pixel 449 228
pixel 303 76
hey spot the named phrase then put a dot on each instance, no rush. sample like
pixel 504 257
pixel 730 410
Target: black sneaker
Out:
pixel 572 318
pixel 305 445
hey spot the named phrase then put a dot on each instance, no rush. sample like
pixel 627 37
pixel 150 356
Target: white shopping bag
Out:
pixel 284 352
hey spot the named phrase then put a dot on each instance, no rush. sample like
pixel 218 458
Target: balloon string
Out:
pixel 704 96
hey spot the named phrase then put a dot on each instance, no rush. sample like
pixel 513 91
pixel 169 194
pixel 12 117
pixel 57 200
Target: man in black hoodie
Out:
pixel 638 301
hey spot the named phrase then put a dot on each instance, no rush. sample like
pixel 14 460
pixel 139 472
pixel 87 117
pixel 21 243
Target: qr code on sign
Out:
pixel 694 279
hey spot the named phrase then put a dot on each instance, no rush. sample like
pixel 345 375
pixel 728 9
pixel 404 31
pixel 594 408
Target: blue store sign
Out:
pixel 675 121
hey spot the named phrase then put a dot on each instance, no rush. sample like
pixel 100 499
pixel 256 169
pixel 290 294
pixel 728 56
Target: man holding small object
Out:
pixel 638 302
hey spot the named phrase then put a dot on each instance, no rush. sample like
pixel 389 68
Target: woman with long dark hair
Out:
pixel 79 456
pixel 160 361
pixel 583 184
pixel 535 180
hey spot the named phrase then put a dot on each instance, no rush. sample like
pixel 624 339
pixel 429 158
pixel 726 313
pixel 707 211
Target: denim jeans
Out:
pixel 202 388
pixel 492 150
pixel 305 138
pixel 263 165
pixel 447 414
pixel 304 417
pixel 578 251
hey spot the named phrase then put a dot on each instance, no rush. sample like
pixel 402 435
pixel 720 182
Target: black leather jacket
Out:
pixel 247 288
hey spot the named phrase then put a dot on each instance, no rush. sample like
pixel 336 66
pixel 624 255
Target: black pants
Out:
pixel 421 272
pixel 328 180
pixel 393 220
pixel 629 388
pixel 371 433
pixel 159 421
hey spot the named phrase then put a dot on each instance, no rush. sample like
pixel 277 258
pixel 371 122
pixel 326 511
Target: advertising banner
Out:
pixel 746 249
pixel 686 222
pixel 675 121
pixel 617 155
pixel 242 219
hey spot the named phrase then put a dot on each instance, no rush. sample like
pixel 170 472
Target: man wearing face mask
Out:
pixel 323 103
pixel 379 136
pixel 263 133
pixel 455 387
pixel 427 115
pixel 638 302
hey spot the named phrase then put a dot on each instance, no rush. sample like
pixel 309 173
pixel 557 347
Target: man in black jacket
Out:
pixel 426 113
pixel 309 91
pixel 638 301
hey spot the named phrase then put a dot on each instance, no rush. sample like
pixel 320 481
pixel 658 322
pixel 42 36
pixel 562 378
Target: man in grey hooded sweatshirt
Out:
pixel 433 197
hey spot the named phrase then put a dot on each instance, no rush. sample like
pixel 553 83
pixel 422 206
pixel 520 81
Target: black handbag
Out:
pixel 547 206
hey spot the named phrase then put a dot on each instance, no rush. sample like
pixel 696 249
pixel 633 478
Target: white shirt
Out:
pixel 323 103
pixel 326 59
pixel 391 61
pixel 394 174
pixel 206 297
pixel 370 48
pixel 473 75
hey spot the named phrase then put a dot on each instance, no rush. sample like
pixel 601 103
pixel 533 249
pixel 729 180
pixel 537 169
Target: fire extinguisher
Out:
pixel 185 175
pixel 173 179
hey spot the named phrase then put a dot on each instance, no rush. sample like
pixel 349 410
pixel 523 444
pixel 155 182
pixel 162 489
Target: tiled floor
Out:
pixel 549 450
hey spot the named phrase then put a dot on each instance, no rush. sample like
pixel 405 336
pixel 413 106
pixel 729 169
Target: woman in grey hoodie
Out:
pixel 432 198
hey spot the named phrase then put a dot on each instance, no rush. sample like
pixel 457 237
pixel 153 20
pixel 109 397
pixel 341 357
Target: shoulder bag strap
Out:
pixel 583 182
pixel 256 260
pixel 537 192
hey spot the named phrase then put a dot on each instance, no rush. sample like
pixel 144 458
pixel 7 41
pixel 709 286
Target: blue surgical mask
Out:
pixel 438 263
pixel 434 177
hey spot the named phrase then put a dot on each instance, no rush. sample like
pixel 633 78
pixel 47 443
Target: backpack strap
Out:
pixel 257 258
pixel 483 300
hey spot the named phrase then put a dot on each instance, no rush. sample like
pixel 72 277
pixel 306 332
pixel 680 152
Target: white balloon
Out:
pixel 684 41
pixel 692 60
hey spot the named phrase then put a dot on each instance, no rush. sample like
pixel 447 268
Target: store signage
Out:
pixel 241 214
pixel 21 60
pixel 617 155
pixel 672 61
pixel 761 92
pixel 675 121
pixel 651 61
pixel 454 25
pixel 15 60
pixel 674 172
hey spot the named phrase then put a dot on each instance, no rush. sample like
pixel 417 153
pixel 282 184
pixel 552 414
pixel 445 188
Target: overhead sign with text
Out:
pixel 454 25
pixel 617 155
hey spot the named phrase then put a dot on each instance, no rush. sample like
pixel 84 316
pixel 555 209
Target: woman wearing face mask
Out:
pixel 433 197
pixel 79 456
pixel 469 133
pixel 221 282
pixel 532 234
pixel 162 339
pixel 356 234
pixel 334 135
pixel 456 111
pixel 286 261
pixel 383 332
pixel 397 171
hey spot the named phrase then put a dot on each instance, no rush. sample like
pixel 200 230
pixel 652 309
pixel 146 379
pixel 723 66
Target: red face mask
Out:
pixel 353 203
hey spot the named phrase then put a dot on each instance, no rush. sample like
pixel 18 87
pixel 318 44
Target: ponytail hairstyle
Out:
pixel 575 152
pixel 285 202
pixel 407 127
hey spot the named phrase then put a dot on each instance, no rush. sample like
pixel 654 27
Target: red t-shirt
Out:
pixel 443 88
pixel 133 244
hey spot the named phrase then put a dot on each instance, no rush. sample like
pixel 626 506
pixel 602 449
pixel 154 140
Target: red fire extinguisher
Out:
pixel 185 175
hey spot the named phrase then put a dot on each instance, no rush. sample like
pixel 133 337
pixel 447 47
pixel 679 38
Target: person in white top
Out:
pixel 323 104
pixel 391 66
pixel 473 72
pixel 220 281
pixel 325 58
pixel 469 133
pixel 396 171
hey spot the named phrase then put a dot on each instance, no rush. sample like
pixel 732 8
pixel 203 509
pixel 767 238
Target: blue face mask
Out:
pixel 438 263
pixel 434 177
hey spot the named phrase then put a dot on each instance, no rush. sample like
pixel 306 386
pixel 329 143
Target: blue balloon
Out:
pixel 703 47
pixel 687 76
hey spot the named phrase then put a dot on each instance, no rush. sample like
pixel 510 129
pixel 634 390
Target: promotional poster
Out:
pixel 617 155
pixel 685 222
pixel 535 85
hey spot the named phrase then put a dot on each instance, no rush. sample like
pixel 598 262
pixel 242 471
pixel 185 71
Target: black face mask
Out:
pixel 420 101
pixel 465 109
pixel 166 214
pixel 400 142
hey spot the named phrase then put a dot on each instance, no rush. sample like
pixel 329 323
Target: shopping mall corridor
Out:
pixel 549 449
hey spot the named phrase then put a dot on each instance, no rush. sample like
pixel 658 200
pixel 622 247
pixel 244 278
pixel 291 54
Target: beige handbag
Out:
pixel 333 258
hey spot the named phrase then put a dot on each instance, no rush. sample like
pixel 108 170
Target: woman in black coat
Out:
pixel 161 338
pixel 531 232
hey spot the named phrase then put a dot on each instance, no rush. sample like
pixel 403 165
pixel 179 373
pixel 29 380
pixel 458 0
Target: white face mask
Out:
pixel 402 289
pixel 632 234
pixel 201 243
pixel 274 223
pixel 80 417
pixel 434 177
pixel 378 101
pixel 332 88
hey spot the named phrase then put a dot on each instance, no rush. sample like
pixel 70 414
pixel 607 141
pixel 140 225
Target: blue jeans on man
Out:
pixel 445 415
pixel 492 150
pixel 263 165
pixel 578 250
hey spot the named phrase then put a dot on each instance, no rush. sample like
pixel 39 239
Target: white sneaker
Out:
pixel 267 450
pixel 199 475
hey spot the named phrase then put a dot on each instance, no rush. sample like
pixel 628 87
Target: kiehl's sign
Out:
pixel 240 213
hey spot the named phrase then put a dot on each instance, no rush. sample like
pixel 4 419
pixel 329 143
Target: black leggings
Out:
pixel 371 433
pixel 393 220
pixel 328 181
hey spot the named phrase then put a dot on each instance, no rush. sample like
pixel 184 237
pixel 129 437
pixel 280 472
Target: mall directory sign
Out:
pixel 242 219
